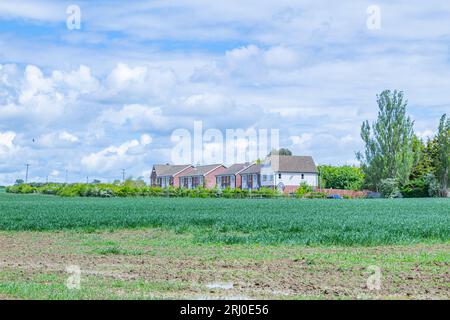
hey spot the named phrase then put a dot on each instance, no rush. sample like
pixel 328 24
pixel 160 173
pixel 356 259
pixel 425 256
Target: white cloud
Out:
pixel 303 140
pixel 144 82
pixel 35 85
pixel 123 76
pixel 146 139
pixel 66 136
pixel 206 104
pixel 242 55
pixel 281 57
pixel 425 134
pixel 309 69
pixel 54 173
pixel 137 117
pixel 37 10
pixel 81 81
pixel 6 142
pixel 116 157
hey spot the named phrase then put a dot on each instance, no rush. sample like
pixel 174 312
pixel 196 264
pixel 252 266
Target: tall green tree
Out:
pixel 427 159
pixel 443 154
pixel 389 142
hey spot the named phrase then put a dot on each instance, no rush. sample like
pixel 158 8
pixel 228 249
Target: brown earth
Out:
pixel 161 264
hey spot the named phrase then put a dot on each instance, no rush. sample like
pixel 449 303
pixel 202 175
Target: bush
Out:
pixel 105 190
pixel 266 192
pixel 433 186
pixel 316 195
pixel 345 177
pixel 303 190
pixel 22 189
pixel 389 188
pixel 416 188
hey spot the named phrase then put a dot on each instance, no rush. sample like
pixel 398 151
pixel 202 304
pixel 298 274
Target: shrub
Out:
pixel 389 188
pixel 303 190
pixel 433 186
pixel 345 177
pixel 416 188
pixel 265 192
pixel 316 195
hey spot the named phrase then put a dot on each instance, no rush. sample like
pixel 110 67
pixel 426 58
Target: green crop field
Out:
pixel 172 248
pixel 229 221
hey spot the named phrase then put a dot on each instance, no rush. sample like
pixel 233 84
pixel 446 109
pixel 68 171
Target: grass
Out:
pixel 158 248
pixel 244 221
pixel 172 266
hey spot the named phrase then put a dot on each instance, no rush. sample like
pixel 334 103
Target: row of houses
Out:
pixel 285 173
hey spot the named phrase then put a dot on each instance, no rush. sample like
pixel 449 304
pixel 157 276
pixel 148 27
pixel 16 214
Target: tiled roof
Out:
pixel 234 169
pixel 292 164
pixel 164 170
pixel 199 170
pixel 254 168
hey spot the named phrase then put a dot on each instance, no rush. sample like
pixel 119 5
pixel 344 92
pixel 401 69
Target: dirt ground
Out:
pixel 158 264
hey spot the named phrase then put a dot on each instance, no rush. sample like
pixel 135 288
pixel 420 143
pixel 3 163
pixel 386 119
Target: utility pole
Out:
pixel 320 179
pixel 67 173
pixel 123 175
pixel 46 179
pixel 26 175
pixel 87 180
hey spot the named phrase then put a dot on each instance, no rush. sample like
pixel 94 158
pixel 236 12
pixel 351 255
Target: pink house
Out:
pixel 201 176
pixel 231 178
pixel 166 175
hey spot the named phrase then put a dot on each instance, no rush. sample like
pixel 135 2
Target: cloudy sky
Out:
pixel 109 95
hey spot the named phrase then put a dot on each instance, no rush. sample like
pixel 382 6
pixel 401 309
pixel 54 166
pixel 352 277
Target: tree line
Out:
pixel 395 161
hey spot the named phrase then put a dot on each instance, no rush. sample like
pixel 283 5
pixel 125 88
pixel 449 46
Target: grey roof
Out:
pixel 292 164
pixel 164 170
pixel 234 169
pixel 254 168
pixel 200 170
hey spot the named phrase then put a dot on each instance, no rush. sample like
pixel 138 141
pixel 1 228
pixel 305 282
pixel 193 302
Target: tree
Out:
pixel 427 154
pixel 345 177
pixel 281 152
pixel 19 182
pixel 443 154
pixel 388 142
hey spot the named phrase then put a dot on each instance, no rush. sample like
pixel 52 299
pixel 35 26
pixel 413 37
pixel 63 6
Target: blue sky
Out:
pixel 108 96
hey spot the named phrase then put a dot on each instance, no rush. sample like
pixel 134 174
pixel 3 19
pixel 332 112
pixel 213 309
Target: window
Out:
pixel 226 181
pixel 195 182
pixel 303 176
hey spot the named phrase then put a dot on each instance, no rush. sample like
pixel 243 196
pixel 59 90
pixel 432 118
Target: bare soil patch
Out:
pixel 160 264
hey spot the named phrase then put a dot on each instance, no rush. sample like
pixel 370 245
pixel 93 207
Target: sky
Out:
pixel 107 96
